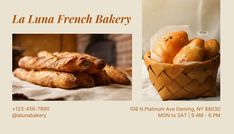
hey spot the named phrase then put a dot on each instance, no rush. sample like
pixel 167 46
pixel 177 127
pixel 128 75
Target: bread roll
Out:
pixel 168 46
pixel 194 51
pixel 211 48
pixel 116 76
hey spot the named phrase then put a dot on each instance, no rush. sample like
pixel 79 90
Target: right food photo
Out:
pixel 181 54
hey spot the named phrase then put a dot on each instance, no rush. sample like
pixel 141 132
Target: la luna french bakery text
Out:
pixel 63 19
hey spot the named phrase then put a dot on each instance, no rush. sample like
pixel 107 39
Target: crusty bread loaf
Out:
pixel 84 80
pixel 96 64
pixel 69 64
pixel 194 51
pixel 52 78
pixel 168 46
pixel 101 78
pixel 116 76
pixel 211 48
pixel 47 78
pixel 68 70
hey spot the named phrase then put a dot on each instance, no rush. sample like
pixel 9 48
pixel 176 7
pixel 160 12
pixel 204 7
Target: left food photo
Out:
pixel 71 67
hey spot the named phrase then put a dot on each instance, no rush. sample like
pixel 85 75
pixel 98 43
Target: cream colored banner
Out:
pixel 106 116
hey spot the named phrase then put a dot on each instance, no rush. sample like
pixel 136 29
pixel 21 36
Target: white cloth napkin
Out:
pixel 36 92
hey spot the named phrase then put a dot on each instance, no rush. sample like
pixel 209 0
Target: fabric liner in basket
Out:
pixel 183 81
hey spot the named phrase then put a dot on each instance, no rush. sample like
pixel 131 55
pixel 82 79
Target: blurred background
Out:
pixel 115 49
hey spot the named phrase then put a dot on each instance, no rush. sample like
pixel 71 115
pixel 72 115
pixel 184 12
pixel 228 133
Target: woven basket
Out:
pixel 183 81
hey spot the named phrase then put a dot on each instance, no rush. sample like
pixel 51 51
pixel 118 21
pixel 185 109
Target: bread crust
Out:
pixel 68 64
pixel 169 45
pixel 194 51
pixel 211 48
pixel 101 78
pixel 116 76
pixel 96 64
pixel 51 78
pixel 47 78
pixel 84 80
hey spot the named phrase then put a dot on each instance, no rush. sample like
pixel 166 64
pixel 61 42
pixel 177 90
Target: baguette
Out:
pixel 84 80
pixel 51 78
pixel 47 78
pixel 116 76
pixel 64 64
pixel 101 78
pixel 96 64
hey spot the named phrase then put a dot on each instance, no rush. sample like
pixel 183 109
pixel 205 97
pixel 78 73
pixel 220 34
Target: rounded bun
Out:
pixel 194 51
pixel 169 45
pixel 211 48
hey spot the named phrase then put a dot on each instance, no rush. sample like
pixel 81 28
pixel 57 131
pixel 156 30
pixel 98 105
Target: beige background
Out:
pixel 108 116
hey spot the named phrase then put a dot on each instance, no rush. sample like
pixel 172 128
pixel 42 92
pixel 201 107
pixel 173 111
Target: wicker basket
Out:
pixel 183 81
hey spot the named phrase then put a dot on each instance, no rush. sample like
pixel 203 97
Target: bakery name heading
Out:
pixel 63 19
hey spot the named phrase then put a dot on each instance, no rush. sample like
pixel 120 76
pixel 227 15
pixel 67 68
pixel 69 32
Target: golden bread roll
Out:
pixel 194 51
pixel 211 48
pixel 116 76
pixel 169 45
